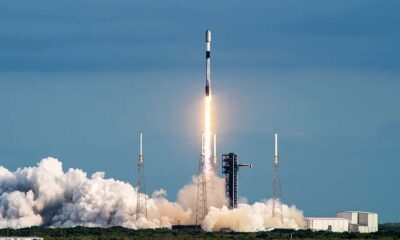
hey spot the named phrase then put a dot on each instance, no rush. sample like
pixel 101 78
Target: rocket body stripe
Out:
pixel 208 62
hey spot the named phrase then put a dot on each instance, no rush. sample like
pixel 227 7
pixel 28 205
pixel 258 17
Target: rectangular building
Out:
pixel 351 216
pixel 363 222
pixel 328 224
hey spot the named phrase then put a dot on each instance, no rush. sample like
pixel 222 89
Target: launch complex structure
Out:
pixel 230 168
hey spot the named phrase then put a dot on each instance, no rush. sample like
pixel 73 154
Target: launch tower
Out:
pixel 201 206
pixel 276 186
pixel 141 203
pixel 230 168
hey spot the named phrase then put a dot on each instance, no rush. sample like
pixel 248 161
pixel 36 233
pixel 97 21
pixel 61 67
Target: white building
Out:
pixel 328 224
pixel 363 222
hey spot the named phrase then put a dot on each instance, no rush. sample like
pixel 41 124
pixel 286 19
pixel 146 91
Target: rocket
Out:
pixel 208 62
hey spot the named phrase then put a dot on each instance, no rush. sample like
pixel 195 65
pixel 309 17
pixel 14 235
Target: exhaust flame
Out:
pixel 207 148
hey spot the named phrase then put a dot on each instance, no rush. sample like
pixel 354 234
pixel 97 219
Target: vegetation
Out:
pixel 386 231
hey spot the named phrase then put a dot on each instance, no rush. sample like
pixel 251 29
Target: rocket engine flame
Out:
pixel 207 148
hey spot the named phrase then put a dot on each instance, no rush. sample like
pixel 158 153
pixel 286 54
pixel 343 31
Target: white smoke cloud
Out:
pixel 187 196
pixel 46 195
pixel 252 218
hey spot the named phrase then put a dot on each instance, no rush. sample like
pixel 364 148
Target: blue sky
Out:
pixel 80 79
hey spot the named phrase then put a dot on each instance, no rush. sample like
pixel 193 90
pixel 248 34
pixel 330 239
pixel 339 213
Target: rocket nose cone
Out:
pixel 208 35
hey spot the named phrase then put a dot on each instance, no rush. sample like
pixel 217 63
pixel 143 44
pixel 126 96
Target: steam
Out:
pixel 46 195
pixel 187 196
pixel 251 218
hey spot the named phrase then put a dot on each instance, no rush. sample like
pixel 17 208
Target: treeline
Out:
pixel 386 231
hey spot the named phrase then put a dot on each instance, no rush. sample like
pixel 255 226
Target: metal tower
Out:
pixel 141 203
pixel 201 207
pixel 276 186
pixel 230 168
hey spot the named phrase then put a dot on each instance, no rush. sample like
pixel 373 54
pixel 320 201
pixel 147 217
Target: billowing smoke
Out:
pixel 46 195
pixel 187 196
pixel 251 218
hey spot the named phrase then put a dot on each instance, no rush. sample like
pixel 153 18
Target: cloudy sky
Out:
pixel 80 79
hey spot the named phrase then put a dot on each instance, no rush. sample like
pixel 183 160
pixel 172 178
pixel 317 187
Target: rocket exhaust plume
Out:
pixel 207 135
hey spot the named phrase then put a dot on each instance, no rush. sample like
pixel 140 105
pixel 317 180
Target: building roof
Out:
pixel 357 212
pixel 326 218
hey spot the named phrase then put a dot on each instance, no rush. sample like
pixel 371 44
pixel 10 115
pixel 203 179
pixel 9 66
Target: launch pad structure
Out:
pixel 230 168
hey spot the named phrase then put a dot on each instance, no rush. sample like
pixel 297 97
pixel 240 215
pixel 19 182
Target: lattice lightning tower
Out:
pixel 141 204
pixel 276 186
pixel 201 208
